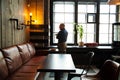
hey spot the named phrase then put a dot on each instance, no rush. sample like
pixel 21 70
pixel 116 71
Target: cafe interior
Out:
pixel 28 43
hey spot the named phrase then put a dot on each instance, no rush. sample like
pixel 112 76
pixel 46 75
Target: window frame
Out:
pixel 97 16
pixel 89 14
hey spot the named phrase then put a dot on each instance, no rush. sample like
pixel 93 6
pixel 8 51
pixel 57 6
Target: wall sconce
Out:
pixel 30 21
pixel 16 23
pixel 31 18
pixel 114 2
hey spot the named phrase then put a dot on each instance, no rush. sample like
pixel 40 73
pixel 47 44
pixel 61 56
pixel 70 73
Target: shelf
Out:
pixel 39 36
pixel 36 30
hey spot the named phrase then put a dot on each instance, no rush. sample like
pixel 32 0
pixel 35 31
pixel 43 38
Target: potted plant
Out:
pixel 80 32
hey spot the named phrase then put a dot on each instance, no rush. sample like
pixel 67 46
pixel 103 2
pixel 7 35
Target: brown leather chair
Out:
pixel 109 71
pixel 83 69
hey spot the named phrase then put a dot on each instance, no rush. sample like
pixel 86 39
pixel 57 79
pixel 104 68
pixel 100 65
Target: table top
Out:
pixel 58 63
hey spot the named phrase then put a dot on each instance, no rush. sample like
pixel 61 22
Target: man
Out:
pixel 62 38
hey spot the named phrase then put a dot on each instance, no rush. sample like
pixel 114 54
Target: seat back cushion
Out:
pixel 109 70
pixel 24 52
pixel 13 58
pixel 31 49
pixel 3 67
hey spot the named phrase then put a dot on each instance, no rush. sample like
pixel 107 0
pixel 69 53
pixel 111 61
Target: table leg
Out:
pixel 57 76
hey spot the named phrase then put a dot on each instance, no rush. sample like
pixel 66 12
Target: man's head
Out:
pixel 62 26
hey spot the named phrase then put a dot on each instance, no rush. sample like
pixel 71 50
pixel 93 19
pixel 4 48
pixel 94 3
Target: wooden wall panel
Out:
pixel 0 26
pixel 9 34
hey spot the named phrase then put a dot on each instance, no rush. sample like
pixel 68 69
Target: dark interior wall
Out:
pixel 9 34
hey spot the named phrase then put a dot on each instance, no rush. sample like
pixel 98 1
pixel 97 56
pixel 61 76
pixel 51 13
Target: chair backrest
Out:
pixel 87 58
pixel 90 57
pixel 109 70
pixel 87 62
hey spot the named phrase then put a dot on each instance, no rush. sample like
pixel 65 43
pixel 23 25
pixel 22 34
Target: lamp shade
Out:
pixel 114 2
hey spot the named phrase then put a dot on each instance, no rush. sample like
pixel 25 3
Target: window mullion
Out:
pixel 76 18
pixel 97 21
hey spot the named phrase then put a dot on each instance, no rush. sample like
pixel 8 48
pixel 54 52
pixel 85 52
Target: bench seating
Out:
pixel 19 62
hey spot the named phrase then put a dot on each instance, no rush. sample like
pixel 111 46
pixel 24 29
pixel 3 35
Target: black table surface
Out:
pixel 58 63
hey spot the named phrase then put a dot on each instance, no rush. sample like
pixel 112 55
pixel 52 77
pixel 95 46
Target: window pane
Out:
pixel 69 8
pixel 82 8
pixel 104 18
pixel 103 38
pixel 90 28
pixel 54 38
pixel 112 9
pixel 69 17
pixel 104 8
pixel 110 38
pixel 116 33
pixel 90 38
pixel 69 27
pixel 59 17
pixel 112 18
pixel 84 38
pixel 63 7
pixel 110 29
pixel 106 30
pixel 103 28
pixel 59 8
pixel 91 8
pixel 56 27
pixel 84 27
pixel 82 18
pixel 70 38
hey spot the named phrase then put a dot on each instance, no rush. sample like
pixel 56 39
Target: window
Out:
pixel 107 17
pixel 97 24
pixel 63 12
pixel 86 17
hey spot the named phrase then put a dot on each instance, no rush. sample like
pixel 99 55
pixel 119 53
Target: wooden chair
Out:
pixel 83 69
pixel 109 71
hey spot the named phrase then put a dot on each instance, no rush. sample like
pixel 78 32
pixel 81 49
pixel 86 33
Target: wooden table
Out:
pixel 58 63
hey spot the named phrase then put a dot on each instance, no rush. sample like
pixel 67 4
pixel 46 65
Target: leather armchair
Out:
pixel 109 71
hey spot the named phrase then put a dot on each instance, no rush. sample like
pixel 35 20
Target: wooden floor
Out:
pixel 46 76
